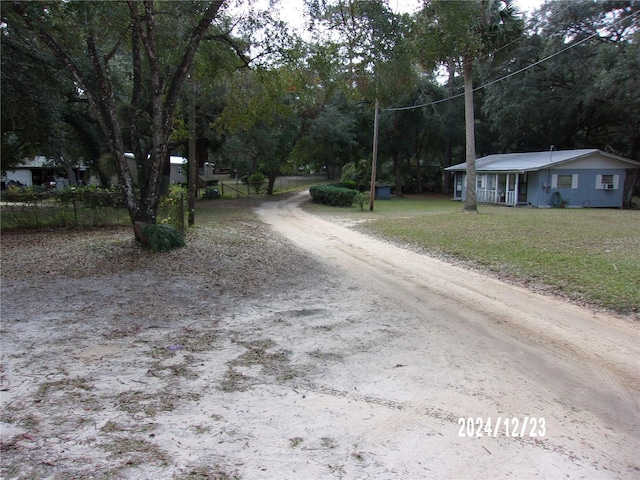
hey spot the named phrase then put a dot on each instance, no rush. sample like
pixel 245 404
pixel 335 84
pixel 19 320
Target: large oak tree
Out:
pixel 129 60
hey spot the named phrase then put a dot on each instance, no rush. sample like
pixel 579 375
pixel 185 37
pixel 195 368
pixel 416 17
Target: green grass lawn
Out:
pixel 590 255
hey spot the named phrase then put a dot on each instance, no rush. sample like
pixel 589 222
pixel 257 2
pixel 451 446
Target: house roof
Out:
pixel 532 161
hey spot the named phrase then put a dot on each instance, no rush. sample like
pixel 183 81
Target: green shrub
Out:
pixel 345 184
pixel 256 180
pixel 349 184
pixel 90 197
pixel 358 172
pixel 162 237
pixel 28 194
pixel 171 209
pixel 333 196
pixel 361 199
pixel 93 197
pixel 39 206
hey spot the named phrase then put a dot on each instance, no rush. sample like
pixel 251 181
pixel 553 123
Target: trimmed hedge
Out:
pixel 332 195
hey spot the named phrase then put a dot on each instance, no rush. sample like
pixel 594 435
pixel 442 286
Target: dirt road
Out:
pixel 296 348
pixel 463 345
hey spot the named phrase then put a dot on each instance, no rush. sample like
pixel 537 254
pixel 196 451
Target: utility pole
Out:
pixel 192 190
pixel 374 161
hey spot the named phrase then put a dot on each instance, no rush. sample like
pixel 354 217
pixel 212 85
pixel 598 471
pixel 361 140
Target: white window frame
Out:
pixel 600 185
pixel 574 180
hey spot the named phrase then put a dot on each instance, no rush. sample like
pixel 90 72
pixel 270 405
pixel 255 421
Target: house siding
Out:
pixel 570 178
pixel 587 193
pixel 585 190
pixel 536 189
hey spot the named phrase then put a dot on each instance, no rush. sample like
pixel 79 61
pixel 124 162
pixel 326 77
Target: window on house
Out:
pixel 564 181
pixel 607 182
pixel 179 170
pixel 480 180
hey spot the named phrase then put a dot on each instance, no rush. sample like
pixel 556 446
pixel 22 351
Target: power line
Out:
pixel 512 73
pixel 567 7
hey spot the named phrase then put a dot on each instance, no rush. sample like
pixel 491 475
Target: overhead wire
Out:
pixel 509 75
pixel 565 8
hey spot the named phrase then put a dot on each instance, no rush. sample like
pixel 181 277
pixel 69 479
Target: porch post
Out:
pixel 515 193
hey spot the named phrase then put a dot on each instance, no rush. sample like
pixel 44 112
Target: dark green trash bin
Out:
pixel 383 192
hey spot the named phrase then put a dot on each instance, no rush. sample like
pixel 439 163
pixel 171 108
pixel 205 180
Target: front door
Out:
pixel 512 182
pixel 522 187
pixel 507 189
pixel 502 188
pixel 458 187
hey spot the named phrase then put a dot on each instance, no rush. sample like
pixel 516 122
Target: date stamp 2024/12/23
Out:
pixel 507 426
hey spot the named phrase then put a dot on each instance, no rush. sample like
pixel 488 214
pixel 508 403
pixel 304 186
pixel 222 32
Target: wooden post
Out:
pixel 374 160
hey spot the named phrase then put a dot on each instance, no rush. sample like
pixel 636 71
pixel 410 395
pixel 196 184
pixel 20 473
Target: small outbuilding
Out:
pixel 572 178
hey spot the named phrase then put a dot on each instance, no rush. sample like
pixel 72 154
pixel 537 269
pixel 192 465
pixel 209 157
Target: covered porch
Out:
pixel 496 188
pixel 500 188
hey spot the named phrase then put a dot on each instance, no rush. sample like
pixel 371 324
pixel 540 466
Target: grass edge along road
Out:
pixel 589 256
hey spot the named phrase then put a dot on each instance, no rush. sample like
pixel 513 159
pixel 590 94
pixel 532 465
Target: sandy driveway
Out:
pixel 463 345
pixel 356 360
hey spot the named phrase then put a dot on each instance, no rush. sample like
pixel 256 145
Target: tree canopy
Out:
pixel 128 61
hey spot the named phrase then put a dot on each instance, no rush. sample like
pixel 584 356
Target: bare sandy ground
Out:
pixel 311 351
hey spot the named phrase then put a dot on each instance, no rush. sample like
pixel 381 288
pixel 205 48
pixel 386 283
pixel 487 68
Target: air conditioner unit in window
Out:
pixel 607 186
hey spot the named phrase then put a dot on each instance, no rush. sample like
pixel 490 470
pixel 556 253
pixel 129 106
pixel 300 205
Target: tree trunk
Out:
pixel 164 95
pixel 193 160
pixel 632 180
pixel 271 182
pixel 447 186
pixel 470 204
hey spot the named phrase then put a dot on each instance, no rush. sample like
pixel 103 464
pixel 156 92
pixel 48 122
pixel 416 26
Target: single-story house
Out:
pixel 573 178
